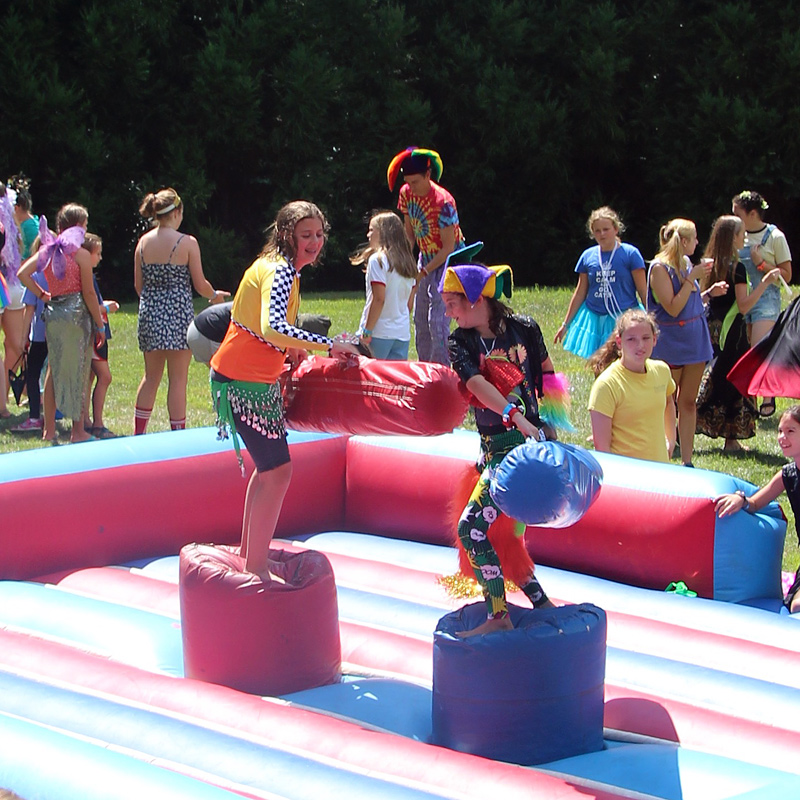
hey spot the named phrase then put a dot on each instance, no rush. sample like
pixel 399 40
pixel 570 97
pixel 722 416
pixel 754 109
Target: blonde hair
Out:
pixel 392 242
pixel 669 237
pixel 161 204
pixel 604 212
pixel 71 215
pixel 609 352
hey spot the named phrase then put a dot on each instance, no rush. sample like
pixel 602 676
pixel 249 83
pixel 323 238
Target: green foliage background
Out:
pixel 541 109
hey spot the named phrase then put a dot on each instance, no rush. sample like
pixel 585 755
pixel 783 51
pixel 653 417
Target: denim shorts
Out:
pixel 768 306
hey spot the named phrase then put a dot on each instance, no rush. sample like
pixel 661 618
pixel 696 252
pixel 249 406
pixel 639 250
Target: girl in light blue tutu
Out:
pixel 609 276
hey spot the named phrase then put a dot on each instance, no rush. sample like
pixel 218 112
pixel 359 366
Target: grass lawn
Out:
pixel 546 305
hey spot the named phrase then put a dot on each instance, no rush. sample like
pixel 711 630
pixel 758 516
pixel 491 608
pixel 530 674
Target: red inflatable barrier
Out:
pixel 263 639
pixel 370 396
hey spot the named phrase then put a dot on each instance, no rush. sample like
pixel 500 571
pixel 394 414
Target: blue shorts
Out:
pixel 768 306
pixel 389 349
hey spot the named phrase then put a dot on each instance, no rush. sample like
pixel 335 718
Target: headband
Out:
pixel 414 161
pixel 753 197
pixel 171 207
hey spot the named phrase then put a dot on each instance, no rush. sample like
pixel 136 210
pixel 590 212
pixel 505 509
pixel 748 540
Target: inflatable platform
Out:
pixel 103 651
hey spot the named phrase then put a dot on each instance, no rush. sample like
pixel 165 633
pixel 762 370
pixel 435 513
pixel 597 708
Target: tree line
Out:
pixel 541 110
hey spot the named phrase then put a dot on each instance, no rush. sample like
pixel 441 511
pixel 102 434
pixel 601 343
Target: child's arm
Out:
pixel 411 298
pixel 199 280
pixel 83 260
pixel 25 275
pixel 137 269
pixel 374 311
pixel 575 302
pixel 744 300
pixel 670 424
pixel 491 398
pixel 640 282
pixel 111 306
pixel 727 504
pixel 448 235
pixel 601 431
pixel 661 283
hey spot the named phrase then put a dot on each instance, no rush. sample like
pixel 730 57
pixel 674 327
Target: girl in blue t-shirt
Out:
pixel 609 276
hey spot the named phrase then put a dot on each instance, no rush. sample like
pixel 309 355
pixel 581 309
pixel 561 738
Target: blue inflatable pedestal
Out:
pixel 526 696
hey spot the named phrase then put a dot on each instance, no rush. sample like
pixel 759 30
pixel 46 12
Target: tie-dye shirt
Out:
pixel 428 215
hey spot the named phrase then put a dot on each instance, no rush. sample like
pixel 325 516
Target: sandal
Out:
pixel 103 433
pixel 767 408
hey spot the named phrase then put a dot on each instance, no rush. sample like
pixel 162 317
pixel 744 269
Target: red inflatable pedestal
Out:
pixel 263 639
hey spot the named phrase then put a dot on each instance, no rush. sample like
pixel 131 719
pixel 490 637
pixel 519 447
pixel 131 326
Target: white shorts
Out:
pixel 15 295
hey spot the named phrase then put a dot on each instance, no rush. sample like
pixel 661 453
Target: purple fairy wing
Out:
pixel 10 255
pixel 47 245
pixel 72 238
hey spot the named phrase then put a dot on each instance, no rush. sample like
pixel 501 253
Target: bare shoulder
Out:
pixel 82 258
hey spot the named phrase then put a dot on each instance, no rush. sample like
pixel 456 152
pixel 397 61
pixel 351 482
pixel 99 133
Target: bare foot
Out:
pixel 734 446
pixel 268 577
pixel 490 626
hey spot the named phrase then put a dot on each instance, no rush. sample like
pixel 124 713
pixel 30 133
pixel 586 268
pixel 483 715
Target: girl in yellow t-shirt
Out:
pixel 631 404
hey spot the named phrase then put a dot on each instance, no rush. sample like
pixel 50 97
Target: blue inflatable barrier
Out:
pixel 38 762
pixel 236 760
pixel 133 636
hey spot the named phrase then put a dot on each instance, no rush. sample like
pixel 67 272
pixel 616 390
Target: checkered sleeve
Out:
pixel 283 333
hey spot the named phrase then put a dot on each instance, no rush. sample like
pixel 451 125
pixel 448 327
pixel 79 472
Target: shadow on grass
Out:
pixel 767 459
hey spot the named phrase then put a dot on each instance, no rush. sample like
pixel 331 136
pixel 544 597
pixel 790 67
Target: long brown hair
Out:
pixel 280 235
pixel 720 248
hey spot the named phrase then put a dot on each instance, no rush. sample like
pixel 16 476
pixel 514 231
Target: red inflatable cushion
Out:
pixel 366 396
pixel 263 639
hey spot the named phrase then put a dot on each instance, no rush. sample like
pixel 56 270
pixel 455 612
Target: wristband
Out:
pixel 745 501
pixel 509 412
pixel 366 333
pixel 761 266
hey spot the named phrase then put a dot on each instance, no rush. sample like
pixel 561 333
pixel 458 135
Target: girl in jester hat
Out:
pixel 502 359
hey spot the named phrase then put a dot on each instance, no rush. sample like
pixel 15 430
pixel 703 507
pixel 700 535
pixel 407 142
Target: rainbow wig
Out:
pixel 414 161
